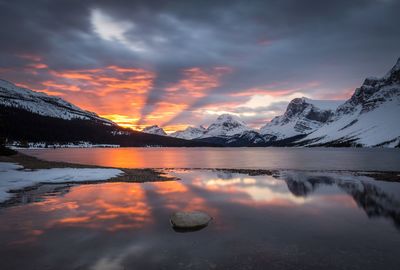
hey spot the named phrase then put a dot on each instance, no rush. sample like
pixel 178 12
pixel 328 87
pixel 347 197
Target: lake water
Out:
pixel 378 159
pixel 294 220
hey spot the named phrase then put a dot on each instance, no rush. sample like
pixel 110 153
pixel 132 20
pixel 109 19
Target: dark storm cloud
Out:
pixel 336 43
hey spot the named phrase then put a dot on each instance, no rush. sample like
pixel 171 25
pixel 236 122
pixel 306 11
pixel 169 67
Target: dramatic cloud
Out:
pixel 178 63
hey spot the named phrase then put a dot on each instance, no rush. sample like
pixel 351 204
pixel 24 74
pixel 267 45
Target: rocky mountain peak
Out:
pixel 393 75
pixel 228 121
pixel 189 133
pixel 368 118
pixel 154 129
pixel 373 91
pixel 317 110
pixel 226 125
pixel 302 116
pixel 296 106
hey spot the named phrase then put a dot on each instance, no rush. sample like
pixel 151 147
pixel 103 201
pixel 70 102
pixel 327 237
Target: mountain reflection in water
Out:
pixel 313 219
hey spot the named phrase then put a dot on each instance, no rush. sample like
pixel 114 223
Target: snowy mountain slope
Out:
pixel 369 118
pixel 377 127
pixel 42 104
pixel 246 138
pixel 156 130
pixel 302 116
pixel 225 125
pixel 33 117
pixel 189 133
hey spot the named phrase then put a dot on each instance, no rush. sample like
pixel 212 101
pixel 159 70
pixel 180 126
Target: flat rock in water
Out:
pixel 190 220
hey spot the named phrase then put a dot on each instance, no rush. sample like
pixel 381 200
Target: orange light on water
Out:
pixel 110 207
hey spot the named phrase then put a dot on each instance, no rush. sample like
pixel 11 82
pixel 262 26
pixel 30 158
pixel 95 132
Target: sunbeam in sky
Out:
pixel 180 64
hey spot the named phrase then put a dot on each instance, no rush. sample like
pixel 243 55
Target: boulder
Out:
pixel 189 220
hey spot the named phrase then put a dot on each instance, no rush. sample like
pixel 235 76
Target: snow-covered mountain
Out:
pixel 226 125
pixel 30 117
pixel 189 133
pixel 302 116
pixel 43 104
pixel 227 129
pixel 369 118
pixel 156 130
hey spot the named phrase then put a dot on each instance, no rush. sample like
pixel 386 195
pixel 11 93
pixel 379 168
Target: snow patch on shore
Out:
pixel 14 177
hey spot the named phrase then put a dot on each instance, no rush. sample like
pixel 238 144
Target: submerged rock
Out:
pixel 188 221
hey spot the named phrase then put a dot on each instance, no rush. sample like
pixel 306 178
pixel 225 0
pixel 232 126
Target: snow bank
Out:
pixel 13 177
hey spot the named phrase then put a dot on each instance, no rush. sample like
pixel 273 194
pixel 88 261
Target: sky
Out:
pixel 179 63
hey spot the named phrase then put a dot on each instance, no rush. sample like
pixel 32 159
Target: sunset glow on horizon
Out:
pixel 178 65
pixel 120 94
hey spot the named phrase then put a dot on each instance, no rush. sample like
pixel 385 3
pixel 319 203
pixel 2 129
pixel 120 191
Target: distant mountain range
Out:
pixel 370 118
pixel 29 116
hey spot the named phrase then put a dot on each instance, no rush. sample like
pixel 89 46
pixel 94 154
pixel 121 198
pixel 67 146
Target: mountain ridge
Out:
pixel 367 119
pixel 43 104
pixel 302 116
pixel 30 116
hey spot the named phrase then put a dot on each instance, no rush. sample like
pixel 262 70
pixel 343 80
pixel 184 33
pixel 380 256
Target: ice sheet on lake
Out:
pixel 13 177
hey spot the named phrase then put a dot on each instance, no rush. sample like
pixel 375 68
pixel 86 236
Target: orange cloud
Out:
pixel 119 93
pixel 122 120
pixel 116 93
pixel 112 90
pixel 38 66
pixel 55 85
pixel 197 80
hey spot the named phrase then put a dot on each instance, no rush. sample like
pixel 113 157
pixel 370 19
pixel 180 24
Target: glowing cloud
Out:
pixel 110 29
pixel 114 92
